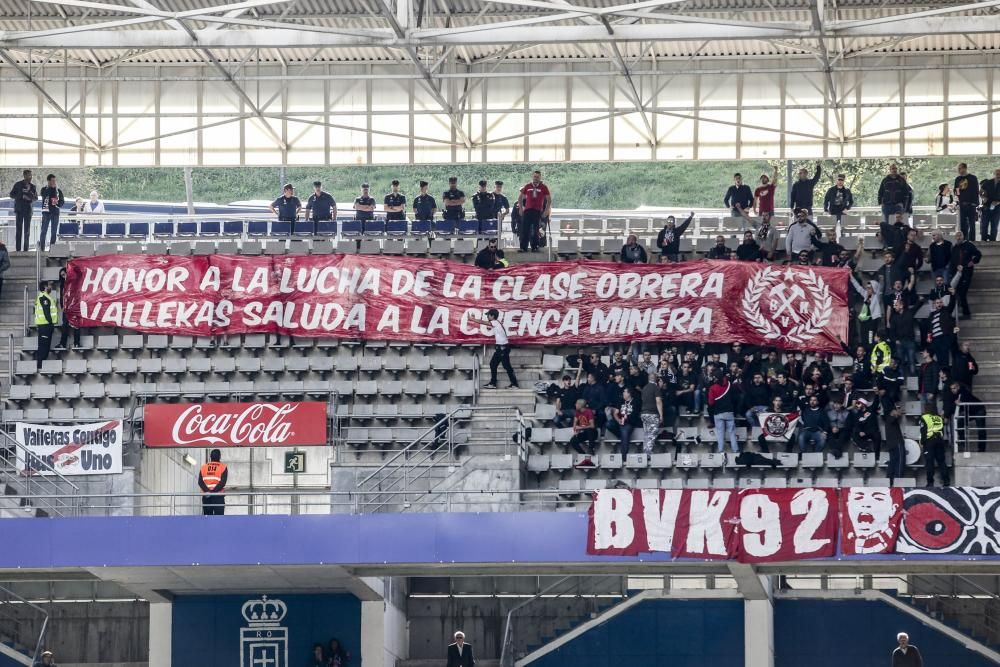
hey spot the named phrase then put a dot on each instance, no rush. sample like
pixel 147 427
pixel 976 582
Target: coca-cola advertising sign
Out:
pixel 212 425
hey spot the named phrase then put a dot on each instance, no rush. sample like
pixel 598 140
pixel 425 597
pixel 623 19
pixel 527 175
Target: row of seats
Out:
pixel 712 224
pixel 543 463
pixel 111 228
pixel 752 480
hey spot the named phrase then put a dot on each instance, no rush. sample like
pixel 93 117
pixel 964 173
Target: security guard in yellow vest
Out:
pixel 881 355
pixel 212 480
pixel 933 443
pixel 46 316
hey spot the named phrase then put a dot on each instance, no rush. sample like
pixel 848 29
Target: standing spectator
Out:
pixel 991 207
pixel 212 481
pixel 47 660
pixel 669 239
pixel 756 398
pixel 892 416
pixel 95 206
pixel 502 204
pixel 287 206
pixel 4 263
pixel 766 234
pixel 318 659
pixel 424 206
pixel 720 250
pixel 964 257
pixel 460 653
pixel 967 190
pixel 939 254
pixel 625 418
pixel 454 201
pixel 893 193
pixel 64 338
pixel 46 316
pixel 594 393
pixel 864 428
pixel 501 351
pixel 837 416
pixel 566 397
pixel 902 334
pixel 739 197
pixel 632 252
pixel 394 203
pixel 802 189
pixel 320 206
pixel 763 196
pixel 945 201
pixel 838 199
pixel 894 235
pixel 814 426
pixel 24 195
pixel 927 380
pixel 722 406
pixel 536 203
pixel 491 257
pixel 906 655
pixel 748 251
pixel 829 250
pixel 941 333
pixel 933 444
pixel 52 203
pixel 969 410
pixel 799 235
pixel 584 432
pixel 339 656
pixel 651 414
pixel 484 204
pixel 964 368
pixel 364 204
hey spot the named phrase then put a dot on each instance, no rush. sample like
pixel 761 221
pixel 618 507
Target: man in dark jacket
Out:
pixel 24 195
pixel 669 238
pixel 838 199
pixel 739 197
pixel 941 333
pixel 893 193
pixel 720 250
pixel 46 660
pixel 964 255
pixel 964 368
pixel 748 251
pixel 892 415
pixel 484 203
pixel 632 252
pixel 894 235
pixel 491 257
pixel 802 189
pixel 46 317
pixel 863 427
pixel 52 201
pixel 933 443
pixel 906 655
pixel 939 254
pixel 460 653
pixel 969 410
pixel 814 427
pixel 966 189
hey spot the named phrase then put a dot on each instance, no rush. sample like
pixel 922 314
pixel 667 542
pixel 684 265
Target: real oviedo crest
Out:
pixel 264 643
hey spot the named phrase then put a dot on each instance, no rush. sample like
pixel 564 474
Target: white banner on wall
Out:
pixel 80 449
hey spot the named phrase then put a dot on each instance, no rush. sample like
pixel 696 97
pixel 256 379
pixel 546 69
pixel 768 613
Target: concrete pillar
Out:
pixel 372 634
pixel 160 633
pixel 758 633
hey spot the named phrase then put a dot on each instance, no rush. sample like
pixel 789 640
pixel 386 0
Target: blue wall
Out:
pixel 206 629
pixel 660 633
pixel 833 633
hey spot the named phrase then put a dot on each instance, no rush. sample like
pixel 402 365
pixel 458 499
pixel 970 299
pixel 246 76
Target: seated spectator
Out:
pixel 800 234
pixel 618 363
pixel 668 241
pixel 719 250
pixel 864 428
pixel 596 399
pixel 794 367
pixel 756 398
pixel 829 250
pixel 647 364
pixel 584 432
pixel 814 427
pixel 687 394
pixel 836 416
pixel 491 257
pixel 566 399
pixel 632 252
pixel 625 419
pixel 749 250
pixel 95 206
pixel 768 437
pixel 785 390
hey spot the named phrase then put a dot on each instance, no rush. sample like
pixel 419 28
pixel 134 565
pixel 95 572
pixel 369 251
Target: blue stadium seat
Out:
pixel 467 226
pixel 187 228
pixel 210 228
pixel 351 227
pixel 420 227
pixel 69 230
pixel 444 226
pixel 92 229
pixel 163 229
pixel 489 227
pixel 114 229
pixel 138 229
pixel 395 226
pixel 304 228
pixel 375 227
pixel 232 228
pixel 281 228
pixel 257 228
pixel 326 228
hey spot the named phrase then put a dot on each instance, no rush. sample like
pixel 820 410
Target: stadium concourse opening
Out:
pixel 262 262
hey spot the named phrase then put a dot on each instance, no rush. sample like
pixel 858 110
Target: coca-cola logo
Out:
pixel 257 424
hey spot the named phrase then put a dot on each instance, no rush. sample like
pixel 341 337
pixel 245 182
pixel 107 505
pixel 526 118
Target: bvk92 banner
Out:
pixel 81 449
pixel 400 298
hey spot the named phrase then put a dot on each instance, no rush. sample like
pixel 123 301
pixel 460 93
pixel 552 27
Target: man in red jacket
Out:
pixel 722 406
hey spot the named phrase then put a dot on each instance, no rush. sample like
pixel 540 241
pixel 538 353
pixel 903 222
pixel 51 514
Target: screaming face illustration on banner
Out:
pixel 953 520
pixel 869 519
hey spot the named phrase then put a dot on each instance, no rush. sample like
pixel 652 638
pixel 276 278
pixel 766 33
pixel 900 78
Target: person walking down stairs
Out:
pixel 501 353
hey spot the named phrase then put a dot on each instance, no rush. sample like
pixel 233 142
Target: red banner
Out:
pixel 212 425
pixel 402 298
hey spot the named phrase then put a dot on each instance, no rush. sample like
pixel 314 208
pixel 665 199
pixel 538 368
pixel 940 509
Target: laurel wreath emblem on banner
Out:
pixel 815 286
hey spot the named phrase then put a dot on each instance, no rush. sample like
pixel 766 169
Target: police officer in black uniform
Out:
pixel 502 204
pixel 454 201
pixel 484 203
pixel 395 203
pixel 287 206
pixel 364 206
pixel 321 205
pixel 424 206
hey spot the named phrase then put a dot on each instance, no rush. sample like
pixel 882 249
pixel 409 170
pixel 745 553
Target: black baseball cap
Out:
pixel 497 182
pixel 317 184
pixel 423 184
pixel 364 185
pixel 453 179
pixel 394 182
pixel 482 183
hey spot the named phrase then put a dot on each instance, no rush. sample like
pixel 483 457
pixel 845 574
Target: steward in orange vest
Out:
pixel 212 480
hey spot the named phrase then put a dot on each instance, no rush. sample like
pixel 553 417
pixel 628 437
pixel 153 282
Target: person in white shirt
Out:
pixel 95 206
pixel 501 354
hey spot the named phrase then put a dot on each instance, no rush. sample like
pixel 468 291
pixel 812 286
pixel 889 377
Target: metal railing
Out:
pixel 975 428
pixel 39 485
pixel 21 624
